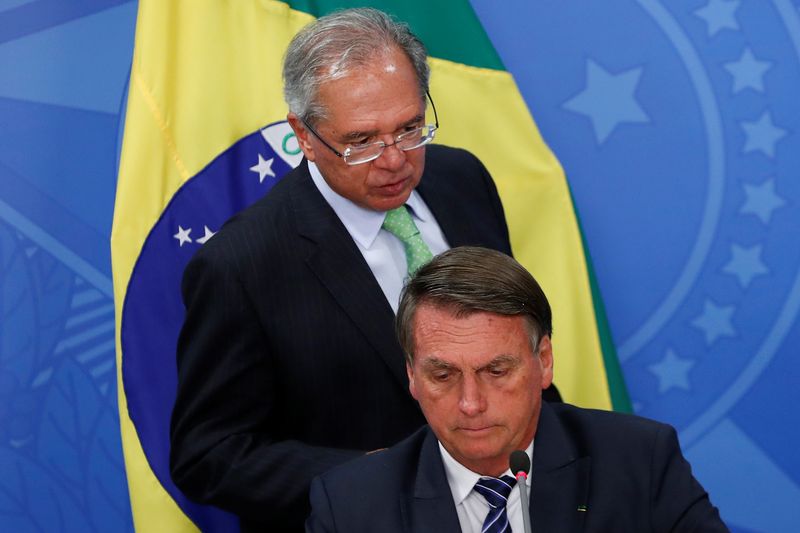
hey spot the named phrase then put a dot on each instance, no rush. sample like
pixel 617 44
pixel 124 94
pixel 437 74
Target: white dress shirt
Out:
pixel 471 507
pixel 383 251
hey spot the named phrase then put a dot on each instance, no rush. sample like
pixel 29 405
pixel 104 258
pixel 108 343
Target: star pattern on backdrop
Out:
pixel 748 72
pixel 672 372
pixel 762 135
pixel 207 234
pixel 745 264
pixel 183 235
pixel 608 99
pixel 715 321
pixel 263 168
pixel 719 15
pixel 762 200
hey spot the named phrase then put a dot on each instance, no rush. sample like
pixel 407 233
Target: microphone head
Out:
pixel 519 462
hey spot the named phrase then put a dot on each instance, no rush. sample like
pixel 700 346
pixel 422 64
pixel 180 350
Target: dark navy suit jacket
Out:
pixel 287 360
pixel 593 471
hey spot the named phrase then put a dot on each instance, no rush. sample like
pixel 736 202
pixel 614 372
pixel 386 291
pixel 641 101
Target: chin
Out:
pixel 479 451
pixel 389 203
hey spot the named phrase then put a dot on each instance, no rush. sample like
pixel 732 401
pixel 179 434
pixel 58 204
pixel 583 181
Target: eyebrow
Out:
pixel 432 363
pixel 352 135
pixel 499 360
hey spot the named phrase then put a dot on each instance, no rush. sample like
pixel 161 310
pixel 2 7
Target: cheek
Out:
pixel 435 391
pixel 363 176
pixel 516 395
pixel 437 398
pixel 351 180
pixel 417 160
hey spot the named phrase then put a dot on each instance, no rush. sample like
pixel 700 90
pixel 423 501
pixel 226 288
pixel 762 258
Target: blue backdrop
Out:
pixel 676 123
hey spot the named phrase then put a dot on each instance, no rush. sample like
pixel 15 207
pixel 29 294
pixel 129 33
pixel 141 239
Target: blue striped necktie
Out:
pixel 496 491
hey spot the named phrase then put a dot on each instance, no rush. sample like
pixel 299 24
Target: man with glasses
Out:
pixel 287 360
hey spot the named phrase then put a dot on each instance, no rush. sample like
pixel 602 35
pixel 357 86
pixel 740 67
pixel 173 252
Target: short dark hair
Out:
pixel 470 279
pixel 332 46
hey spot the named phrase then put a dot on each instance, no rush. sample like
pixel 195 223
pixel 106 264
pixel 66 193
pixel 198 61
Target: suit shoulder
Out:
pixel 608 428
pixel 373 492
pixel 261 223
pixel 272 207
pixel 569 412
pixel 458 173
pixel 441 154
pixel 389 466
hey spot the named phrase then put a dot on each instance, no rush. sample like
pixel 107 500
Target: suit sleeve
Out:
pixel 679 502
pixel 321 518
pixel 223 449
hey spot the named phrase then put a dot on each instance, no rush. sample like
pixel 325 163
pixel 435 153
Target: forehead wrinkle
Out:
pixel 356 134
pixel 418 118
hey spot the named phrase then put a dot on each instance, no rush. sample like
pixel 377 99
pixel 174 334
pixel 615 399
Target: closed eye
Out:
pixel 497 372
pixel 441 377
pixel 359 143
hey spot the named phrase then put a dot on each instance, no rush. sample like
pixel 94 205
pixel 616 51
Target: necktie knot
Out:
pixel 399 223
pixel 496 492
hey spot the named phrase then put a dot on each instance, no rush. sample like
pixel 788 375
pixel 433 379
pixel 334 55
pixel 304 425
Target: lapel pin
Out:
pixel 582 508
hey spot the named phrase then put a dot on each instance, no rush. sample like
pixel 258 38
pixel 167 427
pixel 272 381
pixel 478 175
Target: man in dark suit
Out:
pixel 287 361
pixel 476 329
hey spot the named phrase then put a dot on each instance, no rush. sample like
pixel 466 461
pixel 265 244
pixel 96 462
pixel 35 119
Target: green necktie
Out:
pixel 398 222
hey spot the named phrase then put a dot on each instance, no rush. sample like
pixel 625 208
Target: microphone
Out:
pixel 520 465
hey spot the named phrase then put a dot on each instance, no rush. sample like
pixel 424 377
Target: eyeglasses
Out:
pixel 356 154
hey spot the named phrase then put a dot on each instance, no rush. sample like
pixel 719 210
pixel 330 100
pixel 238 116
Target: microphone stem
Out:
pixel 523 498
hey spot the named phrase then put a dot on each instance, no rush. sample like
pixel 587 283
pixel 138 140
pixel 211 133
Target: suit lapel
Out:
pixel 449 214
pixel 559 485
pixel 337 262
pixel 560 480
pixel 430 507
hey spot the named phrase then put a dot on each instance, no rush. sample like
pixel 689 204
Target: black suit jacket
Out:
pixel 287 360
pixel 626 472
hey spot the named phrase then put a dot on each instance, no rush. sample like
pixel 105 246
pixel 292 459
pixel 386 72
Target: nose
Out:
pixel 472 401
pixel 392 158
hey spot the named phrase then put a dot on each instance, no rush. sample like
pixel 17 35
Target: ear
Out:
pixel 302 134
pixel 546 360
pixel 412 384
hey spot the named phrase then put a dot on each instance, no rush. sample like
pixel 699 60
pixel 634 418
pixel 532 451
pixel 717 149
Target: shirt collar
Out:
pixel 363 224
pixel 462 480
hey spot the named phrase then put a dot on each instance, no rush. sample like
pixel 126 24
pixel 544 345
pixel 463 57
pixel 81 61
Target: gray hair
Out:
pixel 336 44
pixel 467 280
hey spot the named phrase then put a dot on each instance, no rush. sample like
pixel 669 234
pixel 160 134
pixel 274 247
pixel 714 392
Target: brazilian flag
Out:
pixel 205 135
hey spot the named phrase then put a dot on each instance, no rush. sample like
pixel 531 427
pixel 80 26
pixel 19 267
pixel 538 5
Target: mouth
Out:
pixel 476 431
pixel 395 187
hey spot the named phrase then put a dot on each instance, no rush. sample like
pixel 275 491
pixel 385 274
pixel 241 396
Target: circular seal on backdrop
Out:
pixel 153 312
pixel 676 125
pixel 696 352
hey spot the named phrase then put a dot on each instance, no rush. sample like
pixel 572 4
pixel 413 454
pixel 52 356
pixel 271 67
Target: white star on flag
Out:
pixel 207 235
pixel 183 235
pixel 264 168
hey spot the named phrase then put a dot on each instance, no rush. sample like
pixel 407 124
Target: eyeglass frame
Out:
pixel 385 146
